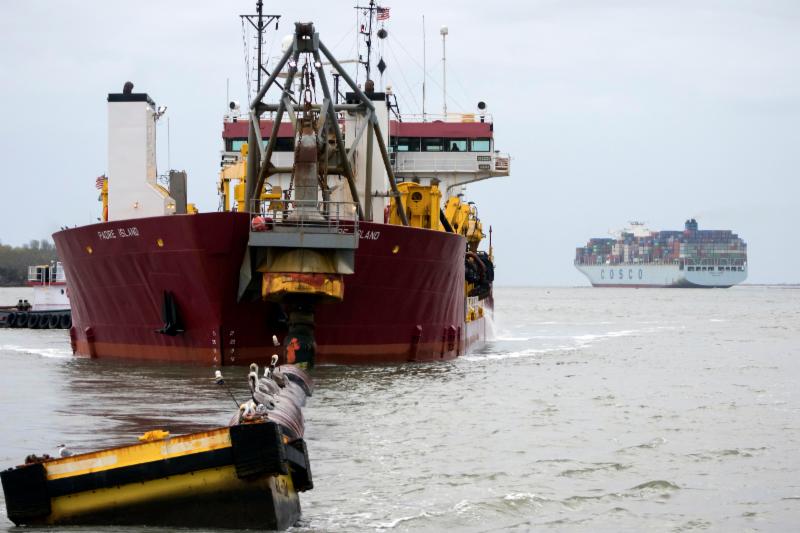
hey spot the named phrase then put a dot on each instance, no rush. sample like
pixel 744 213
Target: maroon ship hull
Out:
pixel 405 301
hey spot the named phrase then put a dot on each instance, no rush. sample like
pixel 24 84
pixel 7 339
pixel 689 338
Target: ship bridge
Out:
pixel 457 147
pixel 453 150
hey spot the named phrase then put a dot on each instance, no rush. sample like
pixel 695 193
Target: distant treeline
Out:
pixel 15 260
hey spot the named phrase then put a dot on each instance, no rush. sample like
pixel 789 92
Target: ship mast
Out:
pixel 260 21
pixel 443 31
pixel 366 31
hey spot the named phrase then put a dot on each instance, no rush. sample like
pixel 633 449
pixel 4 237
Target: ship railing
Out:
pixel 413 161
pixel 407 117
pixel 279 159
pixel 459 162
pixel 502 162
pixel 35 274
pixel 449 117
pixel 58 273
pixel 304 224
pixel 715 264
pixel 464 162
pixel 46 274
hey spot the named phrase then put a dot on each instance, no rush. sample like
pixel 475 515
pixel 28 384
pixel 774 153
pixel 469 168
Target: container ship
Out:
pixel 638 257
pixel 343 229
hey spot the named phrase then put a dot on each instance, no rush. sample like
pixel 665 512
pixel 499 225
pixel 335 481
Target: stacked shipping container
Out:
pixel 691 247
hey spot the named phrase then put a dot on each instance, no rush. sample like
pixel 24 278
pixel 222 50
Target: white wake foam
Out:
pixel 55 353
pixel 569 343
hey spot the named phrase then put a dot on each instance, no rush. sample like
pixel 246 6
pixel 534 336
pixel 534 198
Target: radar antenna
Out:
pixel 260 22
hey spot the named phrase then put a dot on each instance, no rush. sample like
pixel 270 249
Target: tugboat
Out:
pixel 245 476
pixel 50 308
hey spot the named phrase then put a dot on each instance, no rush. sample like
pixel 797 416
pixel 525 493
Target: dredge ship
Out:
pixel 342 230
pixel 638 257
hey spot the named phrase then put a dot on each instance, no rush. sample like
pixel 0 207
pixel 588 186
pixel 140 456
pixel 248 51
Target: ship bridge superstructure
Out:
pixel 451 151
pixel 445 151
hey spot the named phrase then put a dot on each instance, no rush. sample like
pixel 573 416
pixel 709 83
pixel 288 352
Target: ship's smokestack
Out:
pixel 132 188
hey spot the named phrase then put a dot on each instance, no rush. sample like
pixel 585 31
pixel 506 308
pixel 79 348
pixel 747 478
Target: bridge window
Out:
pixel 433 144
pixel 406 144
pixel 234 145
pixel 480 145
pixel 283 144
pixel 456 145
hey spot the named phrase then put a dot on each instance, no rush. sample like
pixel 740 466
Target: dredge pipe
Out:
pixel 300 344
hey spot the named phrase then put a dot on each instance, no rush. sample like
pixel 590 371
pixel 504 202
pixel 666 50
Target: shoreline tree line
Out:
pixel 15 260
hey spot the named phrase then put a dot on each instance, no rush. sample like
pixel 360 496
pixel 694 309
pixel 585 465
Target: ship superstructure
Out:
pixel 343 230
pixel 49 287
pixel 638 257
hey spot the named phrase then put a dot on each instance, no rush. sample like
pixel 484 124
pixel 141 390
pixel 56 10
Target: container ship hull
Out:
pixel 639 257
pixel 405 301
pixel 660 275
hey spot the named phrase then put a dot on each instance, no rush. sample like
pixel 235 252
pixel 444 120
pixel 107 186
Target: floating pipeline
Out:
pixel 300 293
pixel 479 274
pixel 247 475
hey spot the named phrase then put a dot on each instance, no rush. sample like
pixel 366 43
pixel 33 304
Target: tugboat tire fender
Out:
pixel 27 496
pixel 297 454
pixel 258 449
pixel 65 321
pixel 475 257
pixel 21 321
pixel 476 260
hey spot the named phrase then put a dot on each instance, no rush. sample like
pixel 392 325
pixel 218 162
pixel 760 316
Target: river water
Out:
pixel 593 409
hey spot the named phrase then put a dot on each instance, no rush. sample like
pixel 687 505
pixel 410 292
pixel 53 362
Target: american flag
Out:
pixel 383 13
pixel 98 183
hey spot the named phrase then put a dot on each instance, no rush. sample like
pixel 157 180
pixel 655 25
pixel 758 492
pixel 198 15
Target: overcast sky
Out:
pixel 612 110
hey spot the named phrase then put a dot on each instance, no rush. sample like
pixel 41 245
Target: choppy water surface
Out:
pixel 600 409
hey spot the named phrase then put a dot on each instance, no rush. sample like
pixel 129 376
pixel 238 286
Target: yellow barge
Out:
pixel 243 476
